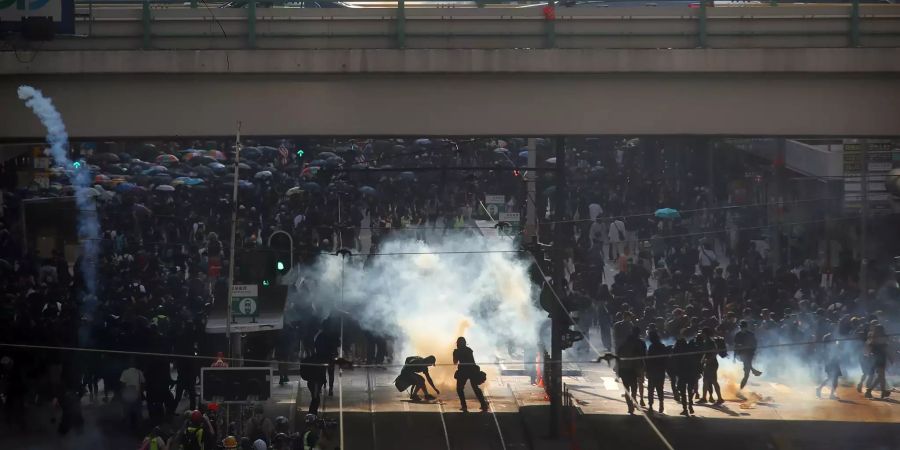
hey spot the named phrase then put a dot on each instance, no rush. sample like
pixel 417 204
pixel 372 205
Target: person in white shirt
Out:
pixel 616 239
pixel 599 232
pixel 133 381
pixel 708 260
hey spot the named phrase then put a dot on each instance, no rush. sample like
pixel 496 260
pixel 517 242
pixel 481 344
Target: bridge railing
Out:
pixel 274 24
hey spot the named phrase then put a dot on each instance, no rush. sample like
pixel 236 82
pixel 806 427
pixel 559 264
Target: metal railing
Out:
pixel 278 24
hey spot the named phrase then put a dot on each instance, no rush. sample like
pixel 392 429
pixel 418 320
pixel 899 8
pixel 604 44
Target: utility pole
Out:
pixel 558 323
pixel 531 195
pixel 864 225
pixel 234 341
pixel 776 206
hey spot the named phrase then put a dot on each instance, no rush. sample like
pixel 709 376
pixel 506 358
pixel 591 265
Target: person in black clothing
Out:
pixel 877 346
pixel 745 349
pixel 656 363
pixel 409 377
pixel 687 372
pixel 313 370
pixel 718 290
pixel 631 352
pixel 467 371
pixel 712 345
pixel 327 343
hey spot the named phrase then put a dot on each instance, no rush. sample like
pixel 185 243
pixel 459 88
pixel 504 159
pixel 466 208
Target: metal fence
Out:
pixel 252 24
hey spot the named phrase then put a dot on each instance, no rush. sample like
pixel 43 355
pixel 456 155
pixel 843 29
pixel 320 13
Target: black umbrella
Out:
pixel 201 160
pixel 250 153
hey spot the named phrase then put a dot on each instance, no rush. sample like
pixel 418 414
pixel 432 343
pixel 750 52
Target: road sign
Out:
pixel 494 199
pixel 244 301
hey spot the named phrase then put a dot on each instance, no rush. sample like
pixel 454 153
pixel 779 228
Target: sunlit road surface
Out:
pixel 776 416
pixel 598 392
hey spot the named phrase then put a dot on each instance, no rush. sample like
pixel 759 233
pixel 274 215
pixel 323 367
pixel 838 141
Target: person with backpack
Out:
pixel 467 371
pixel 409 377
pixel 154 441
pixel 195 435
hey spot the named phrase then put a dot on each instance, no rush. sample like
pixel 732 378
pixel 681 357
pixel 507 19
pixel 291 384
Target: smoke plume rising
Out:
pixel 80 177
pixel 424 296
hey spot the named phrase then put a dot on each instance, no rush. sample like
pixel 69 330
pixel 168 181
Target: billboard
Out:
pixel 62 12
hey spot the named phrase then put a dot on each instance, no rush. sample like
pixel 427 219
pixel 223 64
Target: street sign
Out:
pixel 244 301
pixel 490 199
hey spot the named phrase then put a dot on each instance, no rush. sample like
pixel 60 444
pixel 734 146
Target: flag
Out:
pixel 283 155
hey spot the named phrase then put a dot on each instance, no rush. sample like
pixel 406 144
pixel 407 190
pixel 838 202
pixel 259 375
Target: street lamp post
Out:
pixel 234 342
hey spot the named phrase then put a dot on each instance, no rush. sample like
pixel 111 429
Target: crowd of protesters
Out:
pixel 165 214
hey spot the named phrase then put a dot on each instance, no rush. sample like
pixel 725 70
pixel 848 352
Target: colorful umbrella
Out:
pixel 166 159
pixel 215 154
pixel 667 213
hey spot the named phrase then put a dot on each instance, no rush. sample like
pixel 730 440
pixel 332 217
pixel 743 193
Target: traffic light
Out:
pixel 279 266
pixel 299 153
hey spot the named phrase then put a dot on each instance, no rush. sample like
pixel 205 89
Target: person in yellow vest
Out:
pixel 154 441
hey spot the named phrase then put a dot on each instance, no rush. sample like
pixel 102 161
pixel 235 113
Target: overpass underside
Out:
pixel 798 92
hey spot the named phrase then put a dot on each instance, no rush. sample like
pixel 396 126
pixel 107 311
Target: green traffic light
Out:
pixel 77 164
pixel 265 282
pixel 299 152
pixel 279 265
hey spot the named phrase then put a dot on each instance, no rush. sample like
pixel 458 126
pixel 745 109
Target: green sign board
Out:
pixel 244 301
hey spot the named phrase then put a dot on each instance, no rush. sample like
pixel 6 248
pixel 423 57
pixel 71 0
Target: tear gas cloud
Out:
pixel 424 299
pixel 80 177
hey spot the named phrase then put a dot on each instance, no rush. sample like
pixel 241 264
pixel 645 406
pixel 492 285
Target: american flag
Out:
pixel 283 154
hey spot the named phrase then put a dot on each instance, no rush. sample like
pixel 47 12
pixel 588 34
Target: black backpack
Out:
pixel 192 438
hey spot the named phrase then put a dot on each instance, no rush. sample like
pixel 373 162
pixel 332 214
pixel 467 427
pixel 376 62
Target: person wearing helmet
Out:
pixel 282 425
pixel 196 434
pixel 230 442
pixel 154 441
pixel 281 441
pixel 260 444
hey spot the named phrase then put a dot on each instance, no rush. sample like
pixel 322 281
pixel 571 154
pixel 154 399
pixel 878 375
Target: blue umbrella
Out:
pixel 667 213
pixel 125 187
pixel 523 154
pixel 368 190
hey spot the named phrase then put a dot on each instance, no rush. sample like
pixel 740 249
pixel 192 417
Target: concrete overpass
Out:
pixel 787 70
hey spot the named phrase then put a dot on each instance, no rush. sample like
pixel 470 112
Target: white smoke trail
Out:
pixel 79 176
pixel 425 300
